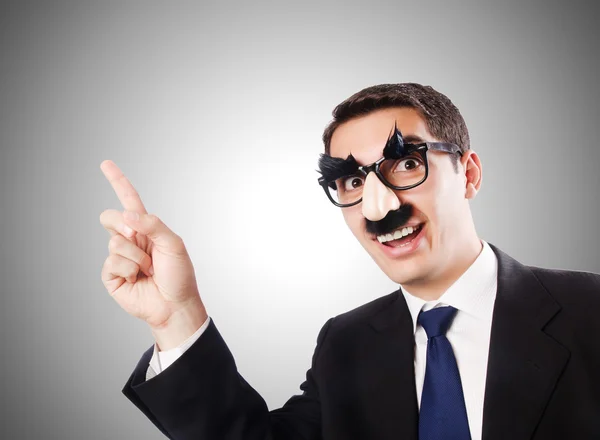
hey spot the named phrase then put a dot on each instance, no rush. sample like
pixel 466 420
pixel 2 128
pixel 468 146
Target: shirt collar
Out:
pixel 474 292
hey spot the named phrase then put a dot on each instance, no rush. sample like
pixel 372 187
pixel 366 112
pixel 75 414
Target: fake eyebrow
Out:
pixel 398 146
pixel 332 168
pixel 394 147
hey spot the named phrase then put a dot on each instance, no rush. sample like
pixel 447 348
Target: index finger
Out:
pixel 129 197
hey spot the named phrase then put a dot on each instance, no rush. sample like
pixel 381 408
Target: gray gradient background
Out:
pixel 170 90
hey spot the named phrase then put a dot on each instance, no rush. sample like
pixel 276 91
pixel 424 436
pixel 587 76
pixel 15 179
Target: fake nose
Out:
pixel 377 199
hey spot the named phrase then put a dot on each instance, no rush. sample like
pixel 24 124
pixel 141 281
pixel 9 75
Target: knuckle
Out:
pixel 110 222
pixel 130 273
pixel 132 269
pixel 146 260
pixel 178 244
pixel 175 241
pixel 104 267
pixel 109 264
pixel 153 219
pixel 115 243
pixel 107 270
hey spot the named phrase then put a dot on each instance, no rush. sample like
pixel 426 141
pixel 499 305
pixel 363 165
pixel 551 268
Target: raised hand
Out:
pixel 148 271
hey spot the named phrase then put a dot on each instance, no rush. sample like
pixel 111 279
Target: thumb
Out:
pixel 154 228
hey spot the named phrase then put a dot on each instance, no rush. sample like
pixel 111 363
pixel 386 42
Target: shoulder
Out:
pixel 570 287
pixel 565 286
pixel 345 332
pixel 577 293
pixel 357 317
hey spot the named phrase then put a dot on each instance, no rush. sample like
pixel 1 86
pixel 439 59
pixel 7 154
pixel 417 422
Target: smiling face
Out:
pixel 443 245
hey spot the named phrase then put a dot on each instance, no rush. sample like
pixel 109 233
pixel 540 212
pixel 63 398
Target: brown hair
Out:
pixel 442 118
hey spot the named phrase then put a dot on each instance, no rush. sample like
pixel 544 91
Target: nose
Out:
pixel 377 199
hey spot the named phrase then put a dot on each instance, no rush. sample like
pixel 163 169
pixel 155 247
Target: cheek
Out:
pixel 427 199
pixel 436 199
pixel 446 203
pixel 353 218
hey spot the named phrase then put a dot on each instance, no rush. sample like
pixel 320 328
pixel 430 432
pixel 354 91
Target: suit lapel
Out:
pixel 389 353
pixel 524 363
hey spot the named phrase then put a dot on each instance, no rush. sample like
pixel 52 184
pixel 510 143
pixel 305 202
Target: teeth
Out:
pixel 399 233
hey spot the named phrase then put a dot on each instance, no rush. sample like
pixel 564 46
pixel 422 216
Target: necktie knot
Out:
pixel 436 321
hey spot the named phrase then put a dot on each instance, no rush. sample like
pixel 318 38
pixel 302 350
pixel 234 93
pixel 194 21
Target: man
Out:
pixel 472 345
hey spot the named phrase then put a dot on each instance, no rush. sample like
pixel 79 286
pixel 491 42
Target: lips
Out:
pixel 400 235
pixel 413 225
pixel 404 246
pixel 403 240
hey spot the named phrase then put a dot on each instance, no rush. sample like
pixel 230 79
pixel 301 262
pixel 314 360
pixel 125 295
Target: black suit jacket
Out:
pixel 543 377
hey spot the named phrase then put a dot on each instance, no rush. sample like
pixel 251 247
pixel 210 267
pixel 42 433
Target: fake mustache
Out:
pixel 392 221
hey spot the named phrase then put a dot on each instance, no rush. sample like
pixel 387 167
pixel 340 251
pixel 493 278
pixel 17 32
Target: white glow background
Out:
pixel 215 112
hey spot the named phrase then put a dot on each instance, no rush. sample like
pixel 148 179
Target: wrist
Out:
pixel 182 324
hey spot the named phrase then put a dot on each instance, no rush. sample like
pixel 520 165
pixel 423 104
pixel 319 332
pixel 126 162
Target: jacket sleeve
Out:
pixel 201 396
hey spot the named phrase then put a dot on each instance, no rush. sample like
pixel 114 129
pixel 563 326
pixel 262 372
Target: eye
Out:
pixel 351 183
pixel 409 164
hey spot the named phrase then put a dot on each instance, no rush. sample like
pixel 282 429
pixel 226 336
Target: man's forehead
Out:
pixel 365 137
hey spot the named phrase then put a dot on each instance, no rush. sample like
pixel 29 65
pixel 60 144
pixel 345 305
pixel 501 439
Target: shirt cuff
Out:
pixel 161 360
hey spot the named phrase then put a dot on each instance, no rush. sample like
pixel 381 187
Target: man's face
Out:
pixel 440 204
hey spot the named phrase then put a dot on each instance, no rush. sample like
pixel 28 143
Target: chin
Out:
pixel 402 275
pixel 405 270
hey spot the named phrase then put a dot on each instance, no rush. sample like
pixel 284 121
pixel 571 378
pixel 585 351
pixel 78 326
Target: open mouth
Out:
pixel 400 237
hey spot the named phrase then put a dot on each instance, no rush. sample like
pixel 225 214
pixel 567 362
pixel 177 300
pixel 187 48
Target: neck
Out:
pixel 431 289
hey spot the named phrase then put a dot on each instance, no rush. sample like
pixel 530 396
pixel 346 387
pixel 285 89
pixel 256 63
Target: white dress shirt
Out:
pixel 161 360
pixel 473 294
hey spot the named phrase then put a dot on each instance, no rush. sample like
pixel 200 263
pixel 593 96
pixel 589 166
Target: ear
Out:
pixel 472 168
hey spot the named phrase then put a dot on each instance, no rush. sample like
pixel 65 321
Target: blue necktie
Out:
pixel 443 415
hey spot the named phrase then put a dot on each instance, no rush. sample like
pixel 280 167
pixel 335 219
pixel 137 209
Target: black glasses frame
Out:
pixel 364 170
